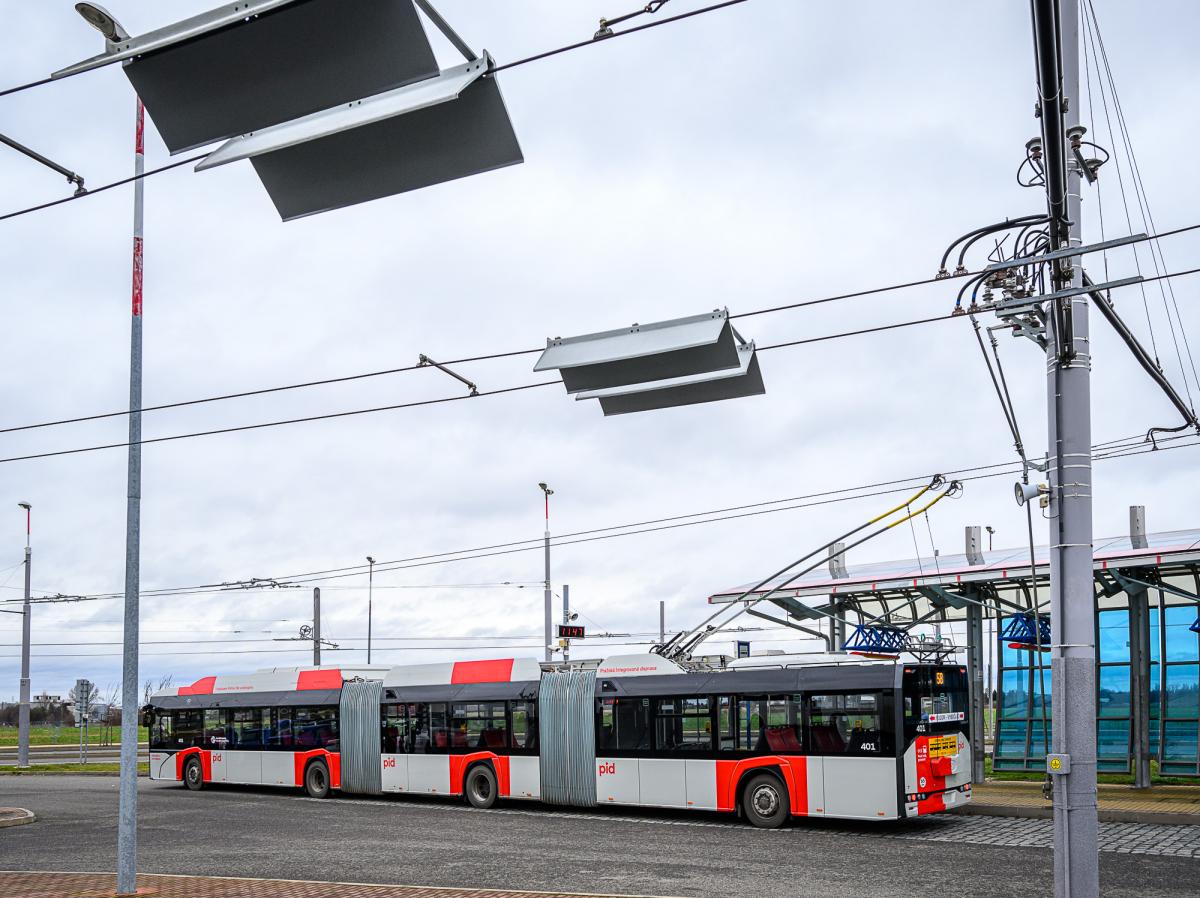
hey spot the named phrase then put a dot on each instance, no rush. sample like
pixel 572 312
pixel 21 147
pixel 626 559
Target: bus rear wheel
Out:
pixel 765 801
pixel 193 774
pixel 316 780
pixel 481 786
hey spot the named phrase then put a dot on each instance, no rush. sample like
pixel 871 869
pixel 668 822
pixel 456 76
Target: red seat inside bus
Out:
pixel 783 738
pixel 494 738
pixel 828 740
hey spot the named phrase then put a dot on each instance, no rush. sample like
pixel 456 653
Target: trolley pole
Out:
pixel 662 622
pixel 1072 764
pixel 26 631
pixel 127 817
pixel 316 626
pixel 548 625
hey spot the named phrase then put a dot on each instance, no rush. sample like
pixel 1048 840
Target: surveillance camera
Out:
pixel 573 616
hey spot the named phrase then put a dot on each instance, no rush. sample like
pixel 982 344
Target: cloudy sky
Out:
pixel 764 154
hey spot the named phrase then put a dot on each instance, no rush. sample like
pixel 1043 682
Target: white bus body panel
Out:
pixel 395 773
pixel 663 782
pixel 220 772
pixel 429 774
pixel 617 781
pixel 860 788
pixel 524 777
pixel 815 767
pixel 701 779
pixel 162 765
pixel 243 767
pixel 278 768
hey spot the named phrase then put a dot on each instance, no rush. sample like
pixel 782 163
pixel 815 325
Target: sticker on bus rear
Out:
pixel 943 746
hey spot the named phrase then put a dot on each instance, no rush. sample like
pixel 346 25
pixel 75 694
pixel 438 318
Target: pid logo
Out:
pixel 389 762
pixel 608 768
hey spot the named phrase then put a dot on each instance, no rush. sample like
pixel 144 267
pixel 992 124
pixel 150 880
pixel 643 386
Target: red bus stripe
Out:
pixel 319 679
pixel 499 671
pixel 203 686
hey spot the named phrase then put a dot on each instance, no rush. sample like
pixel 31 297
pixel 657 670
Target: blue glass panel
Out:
pixel 1154 732
pixel 1114 690
pixel 1113 739
pixel 1014 697
pixel 1183 690
pixel 1154 622
pixel 1010 741
pixel 1114 635
pixel 1182 643
pixel 1181 742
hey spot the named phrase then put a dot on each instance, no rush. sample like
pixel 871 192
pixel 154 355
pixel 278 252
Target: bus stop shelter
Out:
pixel 1146 589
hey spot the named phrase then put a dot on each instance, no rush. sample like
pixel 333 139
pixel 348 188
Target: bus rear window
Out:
pixel 935 695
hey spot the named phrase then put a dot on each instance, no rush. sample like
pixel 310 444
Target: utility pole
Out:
pixel 317 626
pixel 1072 764
pixel 549 612
pixel 127 822
pixel 26 630
pixel 370 601
pixel 566 643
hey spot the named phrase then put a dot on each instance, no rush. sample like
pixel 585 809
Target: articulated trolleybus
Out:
pixel 765 738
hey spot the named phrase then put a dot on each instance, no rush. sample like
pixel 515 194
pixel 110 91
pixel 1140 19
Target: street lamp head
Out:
pixel 545 489
pixel 103 21
pixel 370 560
pixel 24 505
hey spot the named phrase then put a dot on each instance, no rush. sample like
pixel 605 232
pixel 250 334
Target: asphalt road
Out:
pixel 242 832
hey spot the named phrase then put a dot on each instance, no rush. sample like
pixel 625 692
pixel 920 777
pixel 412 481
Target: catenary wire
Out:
pixel 520 352
pixel 965 474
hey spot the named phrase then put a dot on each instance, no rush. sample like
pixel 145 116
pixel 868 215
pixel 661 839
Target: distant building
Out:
pixel 47 701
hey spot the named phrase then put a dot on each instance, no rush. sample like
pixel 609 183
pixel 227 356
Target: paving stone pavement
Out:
pixel 1126 838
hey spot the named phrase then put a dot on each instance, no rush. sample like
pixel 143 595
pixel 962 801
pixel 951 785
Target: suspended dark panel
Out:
pixel 289 62
pixel 453 139
pixel 681 347
pixel 693 390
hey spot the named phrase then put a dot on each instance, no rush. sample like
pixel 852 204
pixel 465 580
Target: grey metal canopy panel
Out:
pixel 421 134
pixel 731 383
pixel 271 63
pixel 682 347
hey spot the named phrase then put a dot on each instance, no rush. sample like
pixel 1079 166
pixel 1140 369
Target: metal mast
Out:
pixel 127 823
pixel 1068 367
pixel 26 631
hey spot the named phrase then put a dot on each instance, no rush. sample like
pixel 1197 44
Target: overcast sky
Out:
pixel 767 153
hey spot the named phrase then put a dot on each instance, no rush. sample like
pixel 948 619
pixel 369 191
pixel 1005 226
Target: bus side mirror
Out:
pixel 147 717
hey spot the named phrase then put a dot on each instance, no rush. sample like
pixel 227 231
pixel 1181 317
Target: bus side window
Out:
pixel 524 725
pixel 395 729
pixel 854 723
pixel 216 729
pixel 188 727
pixel 752 723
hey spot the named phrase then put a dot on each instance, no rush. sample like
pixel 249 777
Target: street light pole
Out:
pixel 316 626
pixel 26 629
pixel 370 601
pixel 548 627
pixel 127 822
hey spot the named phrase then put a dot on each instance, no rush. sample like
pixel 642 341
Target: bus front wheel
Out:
pixel 765 801
pixel 193 774
pixel 316 780
pixel 481 786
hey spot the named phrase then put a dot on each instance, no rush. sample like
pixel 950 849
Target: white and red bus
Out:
pixel 766 739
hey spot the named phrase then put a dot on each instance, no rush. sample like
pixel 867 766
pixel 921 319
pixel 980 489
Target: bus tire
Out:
pixel 316 780
pixel 193 773
pixel 765 801
pixel 481 787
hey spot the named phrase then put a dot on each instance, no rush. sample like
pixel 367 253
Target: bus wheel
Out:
pixel 193 774
pixel 316 780
pixel 765 801
pixel 481 786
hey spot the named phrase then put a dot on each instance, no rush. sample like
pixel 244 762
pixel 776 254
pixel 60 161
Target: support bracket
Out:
pixel 427 361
